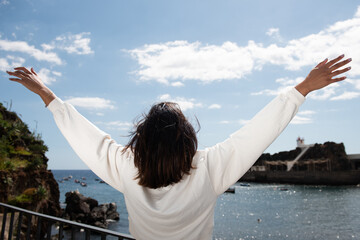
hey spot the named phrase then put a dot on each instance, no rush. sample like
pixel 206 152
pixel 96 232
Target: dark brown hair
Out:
pixel 164 143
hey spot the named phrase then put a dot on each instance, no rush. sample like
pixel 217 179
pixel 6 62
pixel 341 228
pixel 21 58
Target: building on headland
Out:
pixel 325 163
pixel 354 160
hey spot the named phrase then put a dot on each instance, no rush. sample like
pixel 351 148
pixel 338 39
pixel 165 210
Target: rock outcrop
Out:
pixel 87 210
pixel 335 152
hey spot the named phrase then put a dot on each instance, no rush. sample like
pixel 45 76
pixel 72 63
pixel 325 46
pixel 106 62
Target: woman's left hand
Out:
pixel 32 81
pixel 323 74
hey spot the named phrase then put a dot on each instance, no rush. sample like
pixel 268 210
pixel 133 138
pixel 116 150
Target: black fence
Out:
pixel 13 228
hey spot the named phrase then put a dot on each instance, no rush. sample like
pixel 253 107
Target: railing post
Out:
pixel 61 226
pixel 18 232
pixel 28 231
pixel 103 236
pixel 3 224
pixel 11 224
pixel 87 234
pixel 38 231
pixel 48 233
pixel 73 228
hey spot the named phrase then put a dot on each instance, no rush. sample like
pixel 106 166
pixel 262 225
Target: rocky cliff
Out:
pixel 334 152
pixel 24 178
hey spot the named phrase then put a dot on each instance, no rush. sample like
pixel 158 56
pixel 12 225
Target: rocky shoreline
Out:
pixel 88 211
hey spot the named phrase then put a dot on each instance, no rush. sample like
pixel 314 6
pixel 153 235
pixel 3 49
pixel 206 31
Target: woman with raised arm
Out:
pixel 170 187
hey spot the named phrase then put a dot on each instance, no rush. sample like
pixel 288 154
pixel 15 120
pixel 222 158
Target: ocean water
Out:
pixel 260 211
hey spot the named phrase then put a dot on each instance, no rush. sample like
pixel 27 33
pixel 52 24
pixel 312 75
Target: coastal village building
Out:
pixel 355 161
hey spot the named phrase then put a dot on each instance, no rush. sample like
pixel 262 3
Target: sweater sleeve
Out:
pixel 229 160
pixel 98 151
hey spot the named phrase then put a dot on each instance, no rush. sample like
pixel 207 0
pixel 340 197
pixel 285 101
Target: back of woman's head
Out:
pixel 164 144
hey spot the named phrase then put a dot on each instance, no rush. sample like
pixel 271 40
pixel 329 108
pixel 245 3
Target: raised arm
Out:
pixel 229 160
pixel 99 152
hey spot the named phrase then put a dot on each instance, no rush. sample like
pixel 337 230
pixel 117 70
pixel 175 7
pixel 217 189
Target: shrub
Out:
pixel 35 163
pixel 9 165
pixel 20 199
pixel 41 192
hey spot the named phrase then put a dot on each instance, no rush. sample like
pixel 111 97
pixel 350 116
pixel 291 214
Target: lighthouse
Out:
pixel 300 142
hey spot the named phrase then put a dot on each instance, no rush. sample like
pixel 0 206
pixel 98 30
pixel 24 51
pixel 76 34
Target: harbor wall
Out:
pixel 304 177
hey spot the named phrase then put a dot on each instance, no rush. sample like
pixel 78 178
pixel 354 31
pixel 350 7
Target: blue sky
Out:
pixel 222 61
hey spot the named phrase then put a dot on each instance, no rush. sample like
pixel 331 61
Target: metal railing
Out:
pixel 13 228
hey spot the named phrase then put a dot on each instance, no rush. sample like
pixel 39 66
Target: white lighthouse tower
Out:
pixel 301 142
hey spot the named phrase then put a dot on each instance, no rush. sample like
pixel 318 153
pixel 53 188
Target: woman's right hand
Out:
pixel 32 81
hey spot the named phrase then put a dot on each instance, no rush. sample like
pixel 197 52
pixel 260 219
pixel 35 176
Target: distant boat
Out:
pixel 96 179
pixel 76 181
pixel 65 178
pixel 244 184
pixel 102 181
pixel 83 184
pixel 230 190
pixel 70 176
pixel 83 178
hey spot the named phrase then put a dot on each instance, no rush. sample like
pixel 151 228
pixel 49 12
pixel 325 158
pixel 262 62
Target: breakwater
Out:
pixel 302 177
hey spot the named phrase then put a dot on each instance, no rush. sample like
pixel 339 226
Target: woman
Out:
pixel 170 187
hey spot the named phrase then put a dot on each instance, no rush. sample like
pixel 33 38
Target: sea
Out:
pixel 254 211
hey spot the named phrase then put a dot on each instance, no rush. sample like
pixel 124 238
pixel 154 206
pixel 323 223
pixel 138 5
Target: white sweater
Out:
pixel 184 210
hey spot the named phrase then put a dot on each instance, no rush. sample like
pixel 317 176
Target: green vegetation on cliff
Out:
pixel 19 148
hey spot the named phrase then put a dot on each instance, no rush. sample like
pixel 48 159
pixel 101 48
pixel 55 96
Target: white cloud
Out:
pixel 301 120
pixel 306 112
pixel 58 74
pixel 120 124
pixel 71 43
pixel 182 60
pixel 47 76
pixel 24 47
pixel 91 102
pixel 176 60
pixel 272 31
pixel 184 103
pixel 303 117
pixel 275 34
pixel 215 106
pixel 47 47
pixel 354 82
pixel 238 122
pixel 177 84
pixel 346 96
pixel 117 125
pixel 225 122
pixel 10 62
pixel 325 93
pixel 285 84
pixel 4 2
pixel 243 121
